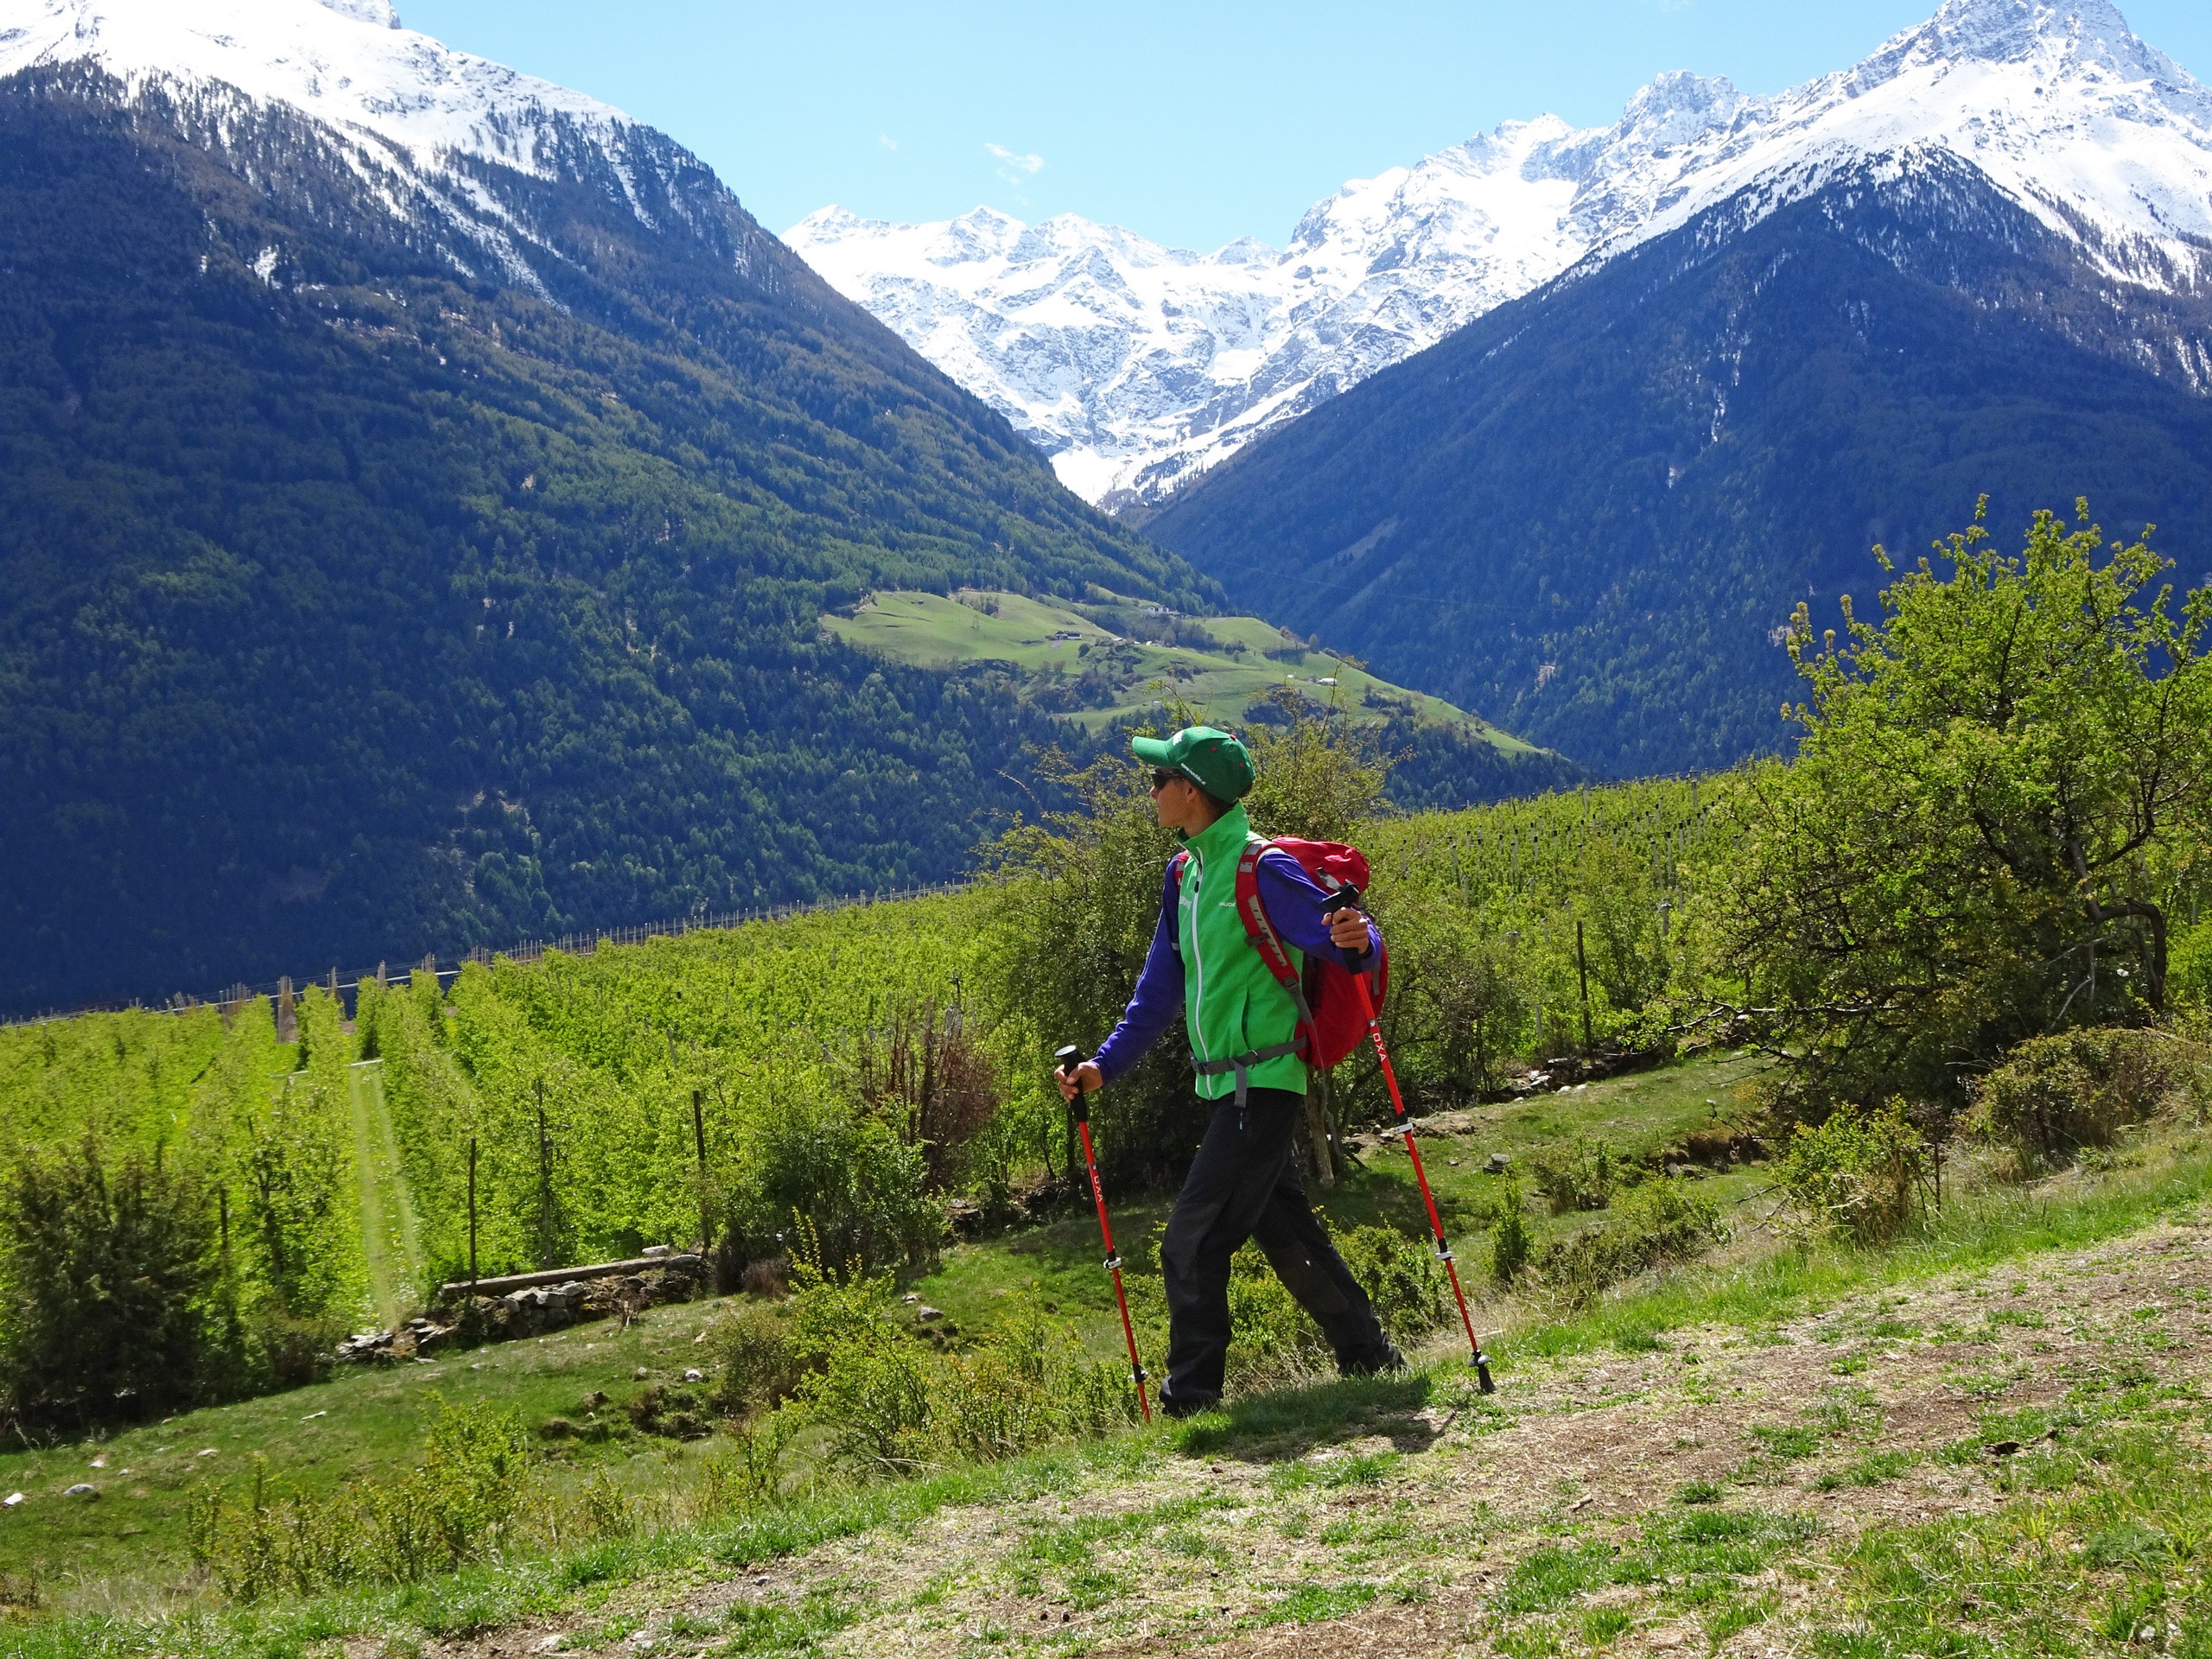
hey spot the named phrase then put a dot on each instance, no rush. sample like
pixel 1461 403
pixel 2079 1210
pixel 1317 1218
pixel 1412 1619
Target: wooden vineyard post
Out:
pixel 1582 972
pixel 471 1213
pixel 699 1139
pixel 546 1240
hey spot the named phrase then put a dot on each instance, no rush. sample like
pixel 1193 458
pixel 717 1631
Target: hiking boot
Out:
pixel 1387 1358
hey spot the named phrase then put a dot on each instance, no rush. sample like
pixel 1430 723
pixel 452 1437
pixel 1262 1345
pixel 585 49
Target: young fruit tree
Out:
pixel 2000 792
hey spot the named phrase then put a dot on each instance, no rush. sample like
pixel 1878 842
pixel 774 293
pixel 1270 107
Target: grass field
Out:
pixel 391 1236
pixel 126 1549
pixel 1983 1442
pixel 1039 640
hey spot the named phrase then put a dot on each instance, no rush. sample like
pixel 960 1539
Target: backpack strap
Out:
pixel 1242 1065
pixel 1261 932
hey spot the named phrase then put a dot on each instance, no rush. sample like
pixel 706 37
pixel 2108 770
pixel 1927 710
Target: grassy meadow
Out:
pixel 1130 675
pixel 1794 1440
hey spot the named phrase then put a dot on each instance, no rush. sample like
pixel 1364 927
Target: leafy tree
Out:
pixel 1312 776
pixel 1978 841
pixel 1079 906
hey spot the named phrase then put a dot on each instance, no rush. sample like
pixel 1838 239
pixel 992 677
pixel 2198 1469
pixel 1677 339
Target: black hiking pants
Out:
pixel 1244 1183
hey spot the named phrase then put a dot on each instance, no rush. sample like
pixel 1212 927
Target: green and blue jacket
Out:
pixel 1202 966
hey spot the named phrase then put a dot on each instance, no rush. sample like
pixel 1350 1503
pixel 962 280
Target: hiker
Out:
pixel 1246 1043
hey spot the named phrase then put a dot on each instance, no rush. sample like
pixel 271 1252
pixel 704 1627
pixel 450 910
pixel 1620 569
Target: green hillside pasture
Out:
pixel 128 1552
pixel 1134 677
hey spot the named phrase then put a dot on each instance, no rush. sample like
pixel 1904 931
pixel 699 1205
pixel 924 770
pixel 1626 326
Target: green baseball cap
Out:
pixel 1209 758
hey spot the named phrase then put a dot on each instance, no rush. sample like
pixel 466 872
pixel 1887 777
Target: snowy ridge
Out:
pixel 1137 366
pixel 422 128
pixel 346 63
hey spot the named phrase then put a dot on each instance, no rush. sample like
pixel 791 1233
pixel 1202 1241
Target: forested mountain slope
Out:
pixel 419 487
pixel 1589 512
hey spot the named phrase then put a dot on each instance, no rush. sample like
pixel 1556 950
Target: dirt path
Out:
pixel 391 1242
pixel 1431 1530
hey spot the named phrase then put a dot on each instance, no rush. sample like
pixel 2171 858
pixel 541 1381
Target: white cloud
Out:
pixel 886 141
pixel 1015 169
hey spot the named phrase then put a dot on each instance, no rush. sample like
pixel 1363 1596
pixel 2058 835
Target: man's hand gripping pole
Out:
pixel 1070 1058
pixel 1349 895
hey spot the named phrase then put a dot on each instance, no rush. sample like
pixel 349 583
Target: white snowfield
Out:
pixel 1137 366
pixel 409 116
pixel 346 63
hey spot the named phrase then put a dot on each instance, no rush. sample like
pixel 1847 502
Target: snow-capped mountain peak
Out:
pixel 1137 366
pixel 451 152
pixel 2017 31
pixel 346 63
pixel 381 14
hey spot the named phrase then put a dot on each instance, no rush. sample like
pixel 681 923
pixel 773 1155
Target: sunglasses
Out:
pixel 1161 779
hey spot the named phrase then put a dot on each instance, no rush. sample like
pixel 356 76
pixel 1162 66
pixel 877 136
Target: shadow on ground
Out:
pixel 1290 1423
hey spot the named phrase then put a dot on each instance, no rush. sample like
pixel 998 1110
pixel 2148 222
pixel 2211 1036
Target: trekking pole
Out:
pixel 1070 1058
pixel 1349 896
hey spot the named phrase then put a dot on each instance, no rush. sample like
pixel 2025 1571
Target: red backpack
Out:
pixel 1328 1003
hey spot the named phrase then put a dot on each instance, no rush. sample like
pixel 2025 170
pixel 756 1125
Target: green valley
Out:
pixel 1102 662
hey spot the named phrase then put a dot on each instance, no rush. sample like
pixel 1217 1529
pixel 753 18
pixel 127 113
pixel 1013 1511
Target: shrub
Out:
pixel 675 1411
pixel 455 1507
pixel 1856 1173
pixel 1651 1226
pixel 2056 1095
pixel 927 1076
pixel 294 1352
pixel 846 1171
pixel 868 1382
pixel 1582 1177
pixel 748 1471
pixel 109 1279
pixel 1401 1276
pixel 2189 968
pixel 1509 1243
pixel 756 1362
pixel 1026 1385
pixel 603 1509
pixel 1457 1012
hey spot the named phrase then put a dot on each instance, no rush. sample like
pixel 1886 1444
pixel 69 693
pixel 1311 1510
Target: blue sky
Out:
pixel 1191 123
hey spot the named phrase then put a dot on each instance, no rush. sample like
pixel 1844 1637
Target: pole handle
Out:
pixel 1070 1057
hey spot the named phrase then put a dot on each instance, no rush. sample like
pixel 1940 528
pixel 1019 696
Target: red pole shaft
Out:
pixel 1114 1266
pixel 1420 1175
